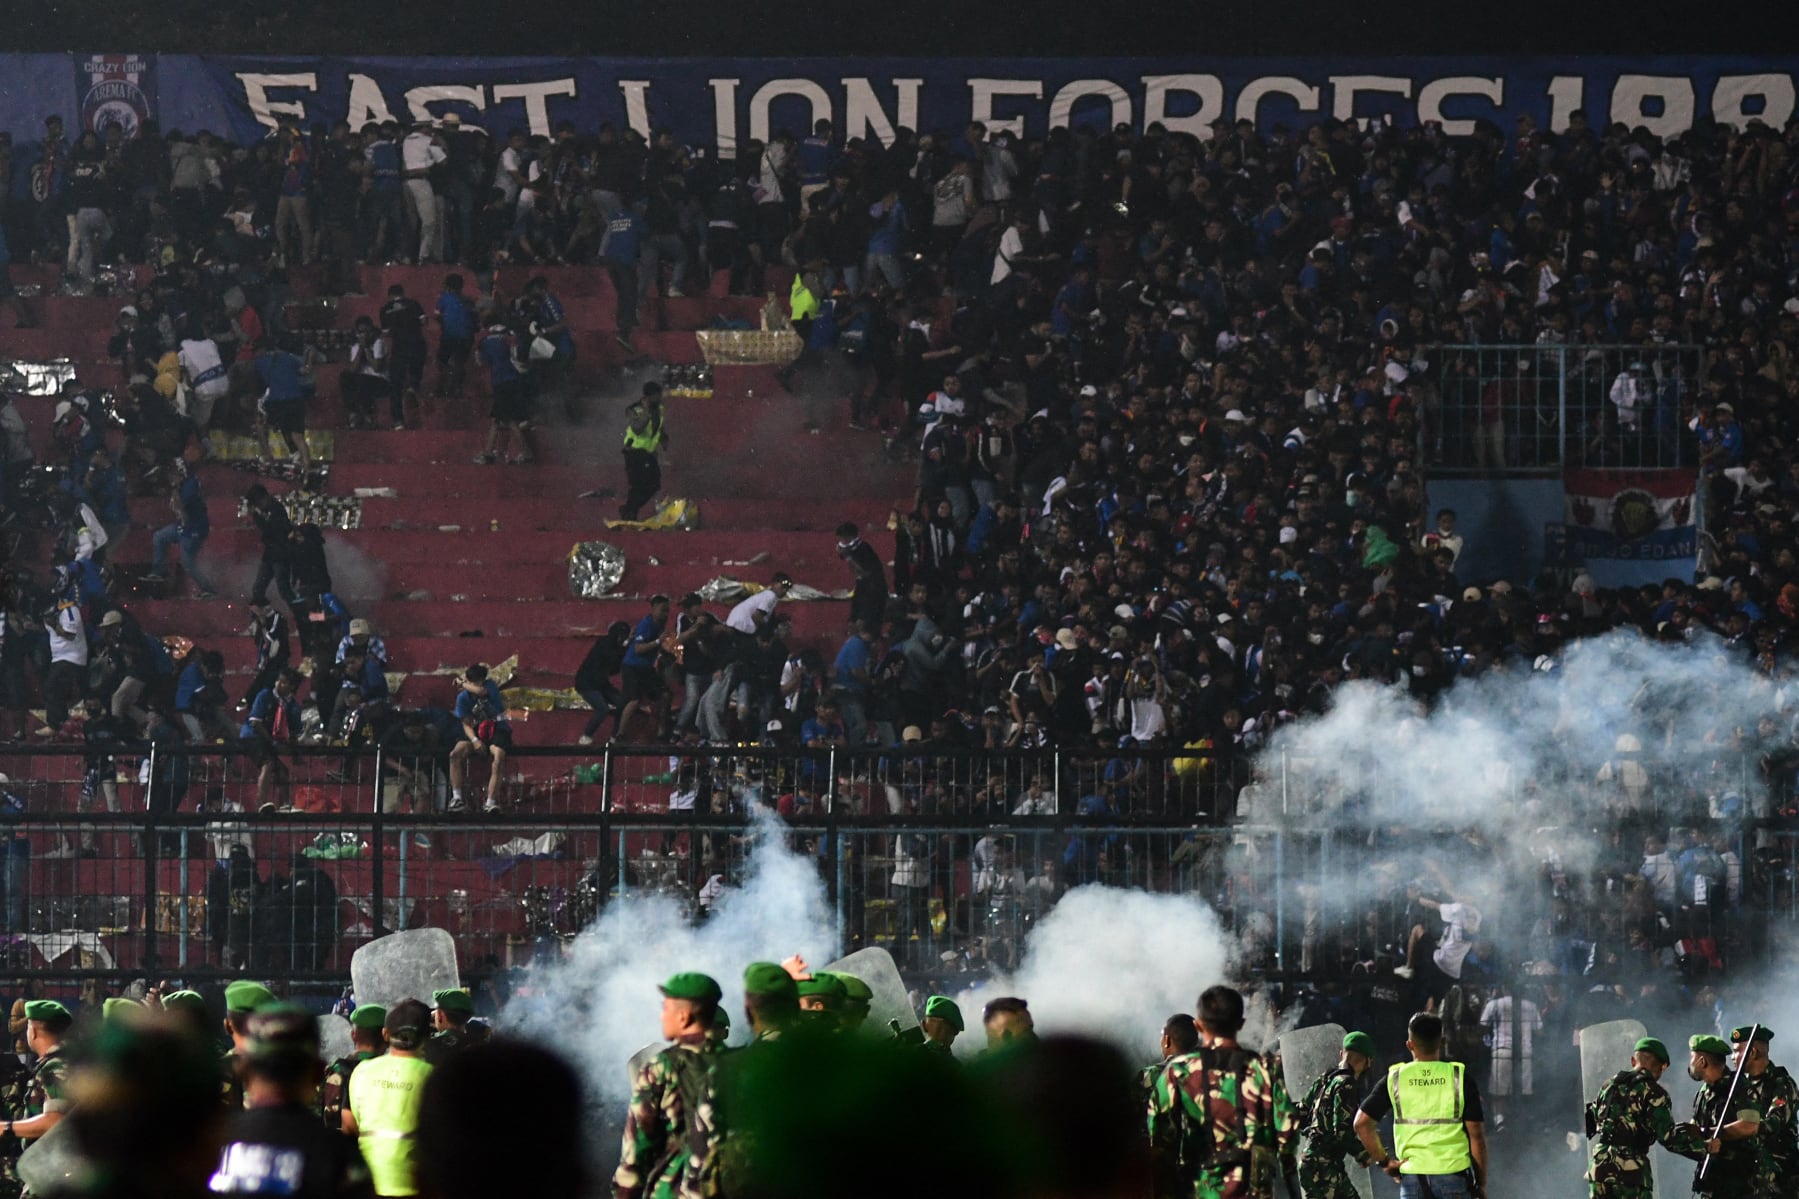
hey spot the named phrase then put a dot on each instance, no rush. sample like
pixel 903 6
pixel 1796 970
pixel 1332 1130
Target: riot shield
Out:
pixel 1605 1049
pixel 52 1162
pixel 334 1038
pixel 404 965
pixel 891 1001
pixel 1306 1055
pixel 640 1059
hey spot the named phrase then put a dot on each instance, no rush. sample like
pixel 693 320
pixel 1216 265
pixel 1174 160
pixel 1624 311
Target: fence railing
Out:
pixel 1547 406
pixel 162 864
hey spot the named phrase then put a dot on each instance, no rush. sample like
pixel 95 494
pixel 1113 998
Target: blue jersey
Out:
pixel 457 316
pixel 496 352
pixel 194 521
pixel 647 630
pixel 280 373
pixel 624 237
pixel 468 704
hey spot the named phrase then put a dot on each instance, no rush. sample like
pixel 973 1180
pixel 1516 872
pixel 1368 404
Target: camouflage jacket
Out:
pixel 451 1040
pixel 231 1083
pixel 665 1096
pixel 1774 1094
pixel 1632 1112
pixel 717 1153
pixel 1739 1162
pixel 48 1089
pixel 1328 1116
pixel 334 1092
pixel 1211 1118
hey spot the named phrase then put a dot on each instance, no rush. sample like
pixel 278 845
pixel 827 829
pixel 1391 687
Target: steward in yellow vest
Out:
pixel 1439 1137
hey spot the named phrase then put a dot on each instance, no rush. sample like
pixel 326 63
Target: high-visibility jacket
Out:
pixel 1429 1102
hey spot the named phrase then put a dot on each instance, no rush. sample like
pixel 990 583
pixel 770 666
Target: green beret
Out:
pixel 184 1001
pixel 119 1008
pixel 721 1021
pixel 1706 1043
pixel 822 986
pixel 768 979
pixel 944 1008
pixel 281 1031
pixel 856 993
pixel 47 1010
pixel 1359 1042
pixel 1741 1033
pixel 455 1000
pixel 245 996
pixel 369 1017
pixel 701 988
pixel 1651 1045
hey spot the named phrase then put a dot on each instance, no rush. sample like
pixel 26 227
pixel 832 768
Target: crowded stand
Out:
pixel 1170 405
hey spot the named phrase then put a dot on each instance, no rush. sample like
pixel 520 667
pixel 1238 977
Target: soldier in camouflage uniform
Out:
pixel 718 1153
pixel 45 1098
pixel 942 1024
pixel 365 1034
pixel 667 1092
pixel 1630 1113
pixel 1326 1118
pixel 1736 1159
pixel 242 999
pixel 1180 1036
pixel 1212 1127
pixel 1770 1090
pixel 452 1015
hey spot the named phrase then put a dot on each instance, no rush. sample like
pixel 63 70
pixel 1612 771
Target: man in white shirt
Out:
pixel 1510 1023
pixel 751 614
pixel 1011 248
pixel 1660 873
pixel 68 662
pixel 208 380
pixel 419 153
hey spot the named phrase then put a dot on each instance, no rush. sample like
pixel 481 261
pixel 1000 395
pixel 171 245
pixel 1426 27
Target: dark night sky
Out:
pixel 912 27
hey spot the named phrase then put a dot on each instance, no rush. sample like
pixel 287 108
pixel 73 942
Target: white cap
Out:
pixel 360 627
pixel 1235 414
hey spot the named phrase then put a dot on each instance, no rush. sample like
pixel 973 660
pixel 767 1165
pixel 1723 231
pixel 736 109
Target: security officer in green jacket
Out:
pixel 821 1001
pixel 1439 1133
pixel 858 996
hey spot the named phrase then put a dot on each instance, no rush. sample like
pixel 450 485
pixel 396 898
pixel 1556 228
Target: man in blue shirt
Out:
pixel 384 213
pixel 189 530
pixel 506 372
pixel 485 730
pixel 619 249
pixel 273 724
pixel 286 379
pixel 817 155
pixel 849 684
pixel 456 336
pixel 641 684
pixel 200 697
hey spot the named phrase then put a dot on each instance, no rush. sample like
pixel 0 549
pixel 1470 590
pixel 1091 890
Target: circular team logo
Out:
pixel 115 101
pixel 1634 515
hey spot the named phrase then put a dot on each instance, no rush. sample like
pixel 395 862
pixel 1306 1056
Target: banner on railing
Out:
pixel 716 103
pixel 1633 516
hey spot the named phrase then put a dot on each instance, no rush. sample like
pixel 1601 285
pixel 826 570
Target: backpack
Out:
pixel 1306 1114
pixel 1196 1140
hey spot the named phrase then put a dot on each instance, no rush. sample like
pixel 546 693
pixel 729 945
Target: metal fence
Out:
pixel 1546 407
pixel 163 865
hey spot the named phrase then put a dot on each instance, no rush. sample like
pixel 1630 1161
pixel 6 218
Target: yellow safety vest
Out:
pixel 384 1097
pixel 1428 1104
pixel 647 439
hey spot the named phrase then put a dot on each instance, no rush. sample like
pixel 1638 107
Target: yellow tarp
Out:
pixel 670 514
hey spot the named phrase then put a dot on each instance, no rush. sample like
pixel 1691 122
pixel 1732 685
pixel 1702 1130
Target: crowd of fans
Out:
pixel 1168 400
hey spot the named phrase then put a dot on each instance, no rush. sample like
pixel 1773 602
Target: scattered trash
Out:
pixel 595 569
pixel 670 514
pixel 728 590
pixel 375 493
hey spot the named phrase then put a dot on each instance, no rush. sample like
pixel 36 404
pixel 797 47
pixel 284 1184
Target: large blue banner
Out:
pixel 717 103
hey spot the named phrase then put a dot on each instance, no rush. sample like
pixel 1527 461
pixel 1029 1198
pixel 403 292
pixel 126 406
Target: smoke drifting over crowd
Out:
pixel 600 1003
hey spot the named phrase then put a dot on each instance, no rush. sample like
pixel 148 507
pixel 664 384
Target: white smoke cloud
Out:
pixel 600 1004
pixel 1111 963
